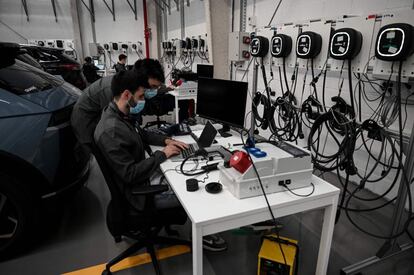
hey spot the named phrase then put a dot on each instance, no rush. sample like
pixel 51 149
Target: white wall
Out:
pixel 42 22
pixel 194 20
pixel 124 29
pixel 195 25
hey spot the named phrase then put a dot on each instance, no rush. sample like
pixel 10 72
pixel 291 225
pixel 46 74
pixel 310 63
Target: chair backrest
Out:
pixel 159 105
pixel 118 206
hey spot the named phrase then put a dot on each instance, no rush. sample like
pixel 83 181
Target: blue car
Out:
pixel 40 162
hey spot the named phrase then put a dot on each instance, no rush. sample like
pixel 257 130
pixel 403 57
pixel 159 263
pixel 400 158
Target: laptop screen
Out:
pixel 207 136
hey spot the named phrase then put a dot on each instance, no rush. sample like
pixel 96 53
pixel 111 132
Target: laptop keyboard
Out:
pixel 189 151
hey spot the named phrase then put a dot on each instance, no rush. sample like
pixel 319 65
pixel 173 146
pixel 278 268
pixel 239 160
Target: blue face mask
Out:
pixel 150 93
pixel 138 108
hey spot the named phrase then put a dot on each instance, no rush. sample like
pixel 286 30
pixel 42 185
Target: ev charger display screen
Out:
pixel 340 44
pixel 276 45
pixel 390 42
pixel 255 46
pixel 303 45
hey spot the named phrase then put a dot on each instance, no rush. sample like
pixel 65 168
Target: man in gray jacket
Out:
pixel 122 145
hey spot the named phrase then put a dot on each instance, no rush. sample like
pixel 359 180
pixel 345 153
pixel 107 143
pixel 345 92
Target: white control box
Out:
pixel 239 46
pixel 187 88
pixel 279 167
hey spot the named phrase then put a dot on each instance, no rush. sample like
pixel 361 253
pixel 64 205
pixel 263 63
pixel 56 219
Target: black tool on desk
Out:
pixel 210 167
pixel 192 185
pixel 214 187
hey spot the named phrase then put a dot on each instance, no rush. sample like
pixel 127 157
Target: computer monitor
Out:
pixel 96 63
pixel 223 101
pixel 204 70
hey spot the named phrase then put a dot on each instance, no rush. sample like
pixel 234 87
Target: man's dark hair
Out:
pixel 128 80
pixel 88 59
pixel 122 57
pixel 151 68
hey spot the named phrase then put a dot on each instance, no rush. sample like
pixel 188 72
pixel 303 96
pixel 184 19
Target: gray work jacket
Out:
pixel 122 145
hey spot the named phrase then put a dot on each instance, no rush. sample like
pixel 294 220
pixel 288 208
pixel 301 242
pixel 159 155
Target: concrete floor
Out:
pixel 80 239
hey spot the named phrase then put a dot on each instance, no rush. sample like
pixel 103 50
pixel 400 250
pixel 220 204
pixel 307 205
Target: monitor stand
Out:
pixel 224 131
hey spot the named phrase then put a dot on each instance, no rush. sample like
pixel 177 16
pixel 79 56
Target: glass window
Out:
pixel 21 78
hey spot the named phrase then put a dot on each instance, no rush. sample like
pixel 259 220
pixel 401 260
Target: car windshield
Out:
pixel 21 78
pixel 45 56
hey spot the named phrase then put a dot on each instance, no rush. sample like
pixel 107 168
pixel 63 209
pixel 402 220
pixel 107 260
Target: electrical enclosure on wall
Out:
pixel 308 45
pixel 382 68
pixel 345 44
pixel 292 31
pixel 323 29
pixel 365 26
pixel 259 46
pixel 267 34
pixel 114 46
pixel 281 45
pixel 395 42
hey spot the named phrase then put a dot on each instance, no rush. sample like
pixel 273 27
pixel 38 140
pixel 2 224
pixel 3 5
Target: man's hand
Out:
pixel 171 150
pixel 176 143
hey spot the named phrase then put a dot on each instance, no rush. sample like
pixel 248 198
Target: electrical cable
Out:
pixel 265 196
pixel 300 195
pixel 404 175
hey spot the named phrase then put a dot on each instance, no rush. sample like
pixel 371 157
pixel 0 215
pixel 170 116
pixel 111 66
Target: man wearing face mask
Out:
pixel 122 145
pixel 87 110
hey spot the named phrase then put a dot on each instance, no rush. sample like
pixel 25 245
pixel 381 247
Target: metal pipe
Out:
pixel 147 31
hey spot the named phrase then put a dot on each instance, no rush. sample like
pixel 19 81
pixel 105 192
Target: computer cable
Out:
pixel 205 155
pixel 300 195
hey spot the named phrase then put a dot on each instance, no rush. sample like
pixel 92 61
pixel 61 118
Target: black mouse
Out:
pixel 213 187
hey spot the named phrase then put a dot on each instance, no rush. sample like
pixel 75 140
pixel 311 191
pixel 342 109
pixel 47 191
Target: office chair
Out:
pixel 159 105
pixel 143 226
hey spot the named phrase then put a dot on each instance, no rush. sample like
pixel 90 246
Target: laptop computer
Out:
pixel 205 140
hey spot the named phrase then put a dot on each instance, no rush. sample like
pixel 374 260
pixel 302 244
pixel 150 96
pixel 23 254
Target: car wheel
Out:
pixel 18 216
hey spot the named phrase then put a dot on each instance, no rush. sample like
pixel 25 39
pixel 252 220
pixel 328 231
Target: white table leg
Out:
pixel 197 250
pixel 326 237
pixel 177 119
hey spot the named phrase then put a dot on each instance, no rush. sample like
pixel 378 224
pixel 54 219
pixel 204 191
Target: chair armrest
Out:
pixel 149 190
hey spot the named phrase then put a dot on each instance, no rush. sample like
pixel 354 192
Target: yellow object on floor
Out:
pixel 134 261
pixel 271 259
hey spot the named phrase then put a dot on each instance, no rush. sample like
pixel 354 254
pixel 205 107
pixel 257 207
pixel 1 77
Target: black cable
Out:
pixel 351 94
pixel 281 82
pixel 359 96
pixel 404 176
pixel 264 194
pixel 284 74
pixel 341 203
pixel 299 195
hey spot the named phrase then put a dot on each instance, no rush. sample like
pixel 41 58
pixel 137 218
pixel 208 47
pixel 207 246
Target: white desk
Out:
pixel 178 96
pixel 213 213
